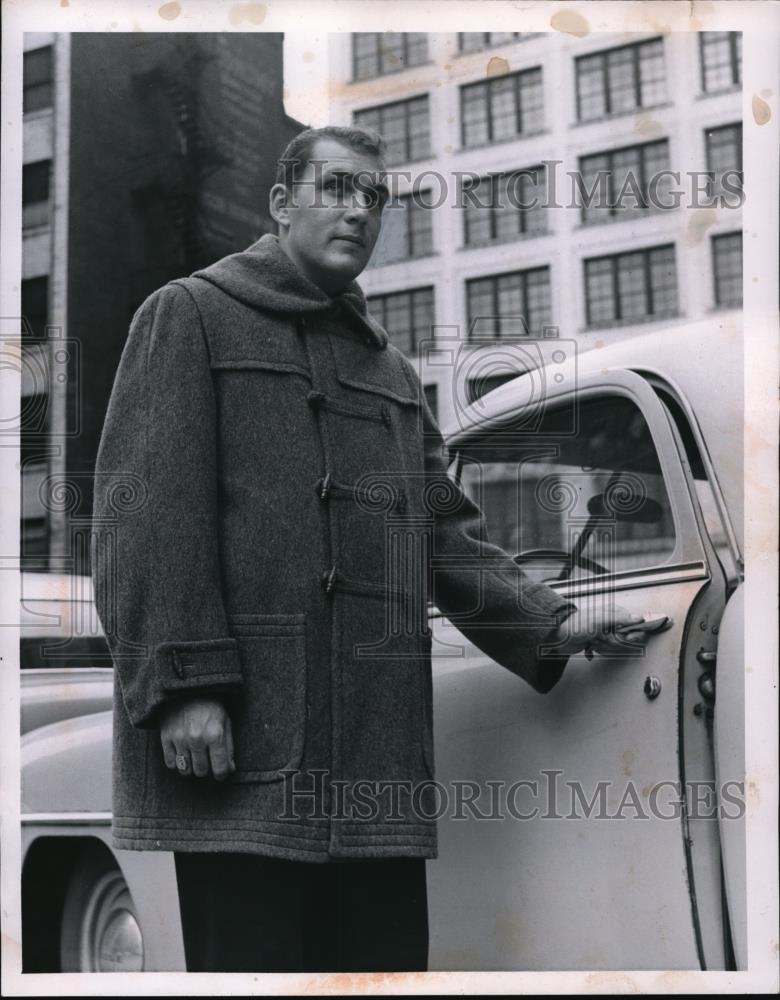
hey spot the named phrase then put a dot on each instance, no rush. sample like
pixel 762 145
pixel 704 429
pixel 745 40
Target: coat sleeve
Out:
pixel 155 540
pixel 480 588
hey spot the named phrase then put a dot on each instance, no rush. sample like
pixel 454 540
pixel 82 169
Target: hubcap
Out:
pixel 111 939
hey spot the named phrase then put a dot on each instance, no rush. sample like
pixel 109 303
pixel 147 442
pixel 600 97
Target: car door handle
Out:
pixel 650 624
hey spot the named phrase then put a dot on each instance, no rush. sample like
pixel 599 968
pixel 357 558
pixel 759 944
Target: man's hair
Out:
pixel 297 155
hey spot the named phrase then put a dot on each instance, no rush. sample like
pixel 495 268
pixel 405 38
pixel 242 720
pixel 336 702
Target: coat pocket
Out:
pixel 269 719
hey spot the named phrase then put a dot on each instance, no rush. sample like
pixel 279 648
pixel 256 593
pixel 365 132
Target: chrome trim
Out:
pixel 67 819
pixel 678 574
pixel 105 672
pixel 656 380
pixel 626 580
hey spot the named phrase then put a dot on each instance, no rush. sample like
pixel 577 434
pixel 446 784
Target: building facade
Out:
pixel 547 185
pixel 146 156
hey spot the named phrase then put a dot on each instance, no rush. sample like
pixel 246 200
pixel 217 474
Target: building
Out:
pixel 145 157
pixel 480 123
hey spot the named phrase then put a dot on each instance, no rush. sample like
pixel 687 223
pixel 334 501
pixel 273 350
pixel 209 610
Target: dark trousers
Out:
pixel 248 913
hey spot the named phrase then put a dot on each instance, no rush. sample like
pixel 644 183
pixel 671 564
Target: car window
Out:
pixel 54 652
pixel 591 488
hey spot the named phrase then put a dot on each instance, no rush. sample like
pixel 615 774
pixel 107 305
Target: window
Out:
pixel 631 287
pixel 35 306
pixel 502 207
pixel 38 92
pixel 727 268
pixel 724 154
pixel 597 494
pixel 56 653
pixel 407 231
pixel 404 126
pixel 34 535
pixel 721 60
pixel 475 41
pixel 501 108
pixel 619 80
pixel 617 183
pixel 34 543
pixel 407 316
pixel 377 53
pixel 509 305
pixel 35 193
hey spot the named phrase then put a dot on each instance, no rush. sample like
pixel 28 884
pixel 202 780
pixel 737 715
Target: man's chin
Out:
pixel 345 265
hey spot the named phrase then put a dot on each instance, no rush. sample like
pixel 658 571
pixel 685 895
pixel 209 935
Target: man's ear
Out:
pixel 279 204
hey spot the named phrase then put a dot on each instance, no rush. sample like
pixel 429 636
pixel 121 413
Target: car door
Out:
pixel 569 838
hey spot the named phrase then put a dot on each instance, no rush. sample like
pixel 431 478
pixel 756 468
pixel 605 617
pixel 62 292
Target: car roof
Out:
pixel 702 361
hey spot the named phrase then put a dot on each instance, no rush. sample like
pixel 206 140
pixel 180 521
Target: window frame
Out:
pixel 521 213
pixel 488 86
pixel 649 316
pixel 411 210
pixel 603 55
pixel 31 334
pixel 378 53
pixel 36 211
pixel 494 280
pixel 406 103
pixel 716 280
pixel 46 83
pixel 518 36
pixel 410 307
pixel 735 61
pixel 714 183
pixel 611 211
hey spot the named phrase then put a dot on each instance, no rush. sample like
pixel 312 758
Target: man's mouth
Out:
pixel 351 239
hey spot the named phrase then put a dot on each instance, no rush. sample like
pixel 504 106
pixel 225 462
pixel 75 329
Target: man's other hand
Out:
pixel 594 630
pixel 197 738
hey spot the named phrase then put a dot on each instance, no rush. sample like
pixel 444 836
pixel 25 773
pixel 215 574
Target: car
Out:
pixel 599 826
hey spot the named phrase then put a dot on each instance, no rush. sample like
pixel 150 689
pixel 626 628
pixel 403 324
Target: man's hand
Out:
pixel 197 738
pixel 593 629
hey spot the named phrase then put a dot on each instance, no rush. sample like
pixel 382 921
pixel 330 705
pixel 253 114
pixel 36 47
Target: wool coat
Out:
pixel 272 516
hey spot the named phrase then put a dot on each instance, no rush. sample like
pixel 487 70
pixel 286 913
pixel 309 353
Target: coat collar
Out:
pixel 264 277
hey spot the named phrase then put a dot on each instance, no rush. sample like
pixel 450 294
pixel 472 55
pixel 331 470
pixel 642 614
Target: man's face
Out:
pixel 330 221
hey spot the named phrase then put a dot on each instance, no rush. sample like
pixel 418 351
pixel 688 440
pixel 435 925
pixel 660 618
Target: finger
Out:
pixel 220 762
pixel 183 762
pixel 623 617
pixel 169 754
pixel 200 762
pixel 636 638
pixel 229 743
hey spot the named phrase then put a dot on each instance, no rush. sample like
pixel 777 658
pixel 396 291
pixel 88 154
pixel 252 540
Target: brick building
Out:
pixel 146 156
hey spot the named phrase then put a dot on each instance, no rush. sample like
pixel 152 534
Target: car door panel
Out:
pixel 613 889
pixel 570 893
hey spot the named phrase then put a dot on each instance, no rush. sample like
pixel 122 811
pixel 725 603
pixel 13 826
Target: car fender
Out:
pixel 66 766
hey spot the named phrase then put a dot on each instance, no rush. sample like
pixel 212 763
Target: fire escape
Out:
pixel 192 151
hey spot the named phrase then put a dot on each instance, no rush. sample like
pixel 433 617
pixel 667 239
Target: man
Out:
pixel 273 707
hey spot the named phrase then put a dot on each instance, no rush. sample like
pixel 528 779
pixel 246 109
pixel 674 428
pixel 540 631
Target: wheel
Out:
pixel 100 931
